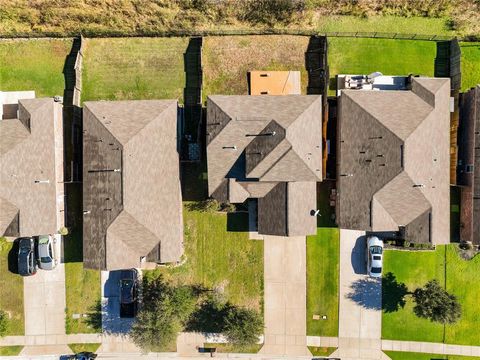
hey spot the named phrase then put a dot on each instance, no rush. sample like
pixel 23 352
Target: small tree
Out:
pixel 243 326
pixel 163 315
pixel 435 303
pixel 3 323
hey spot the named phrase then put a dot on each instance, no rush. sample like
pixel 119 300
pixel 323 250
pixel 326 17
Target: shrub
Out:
pixel 436 304
pixel 243 326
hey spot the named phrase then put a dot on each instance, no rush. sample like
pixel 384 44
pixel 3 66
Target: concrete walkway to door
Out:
pixel 285 296
pixel 360 317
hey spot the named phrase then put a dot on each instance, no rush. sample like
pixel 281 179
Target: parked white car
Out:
pixel 47 257
pixel 374 254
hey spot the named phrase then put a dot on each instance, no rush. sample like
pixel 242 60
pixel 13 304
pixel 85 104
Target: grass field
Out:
pixel 397 355
pixel 219 259
pixel 33 65
pixel 323 251
pixel 470 64
pixel 10 350
pixel 11 290
pixel 389 24
pixel 134 68
pixel 91 347
pixel 226 60
pixel 462 279
pixel 82 286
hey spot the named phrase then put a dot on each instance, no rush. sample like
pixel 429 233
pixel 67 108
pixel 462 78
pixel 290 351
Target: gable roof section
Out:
pixel 394 154
pixel 149 212
pixel 239 117
pixel 28 167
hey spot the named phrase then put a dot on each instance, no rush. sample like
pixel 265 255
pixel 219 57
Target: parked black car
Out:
pixel 82 356
pixel 128 293
pixel 27 262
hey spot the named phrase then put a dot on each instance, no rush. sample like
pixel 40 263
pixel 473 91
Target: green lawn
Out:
pixel 134 68
pixel 231 348
pixel 391 57
pixel 82 286
pixel 216 258
pixel 462 279
pixel 11 289
pixel 10 350
pixel 470 64
pixel 91 347
pixel 323 251
pixel 398 355
pixel 33 65
pixel 389 24
pixel 321 351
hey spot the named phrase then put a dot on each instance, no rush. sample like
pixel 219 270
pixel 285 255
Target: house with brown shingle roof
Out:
pixel 468 167
pixel 393 160
pixel 31 165
pixel 267 148
pixel 132 206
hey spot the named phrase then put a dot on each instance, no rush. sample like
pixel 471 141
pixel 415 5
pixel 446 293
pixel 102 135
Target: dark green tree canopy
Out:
pixel 435 303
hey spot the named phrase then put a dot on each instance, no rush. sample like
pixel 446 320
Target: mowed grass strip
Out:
pixel 323 252
pixel 398 355
pixel 470 64
pixel 89 347
pixel 227 261
pixel 10 350
pixel 227 59
pixel 11 290
pixel 134 68
pixel 415 268
pixel 33 65
pixel 385 24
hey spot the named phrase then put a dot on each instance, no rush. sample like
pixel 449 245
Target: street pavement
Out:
pixel 360 317
pixel 44 300
pixel 285 296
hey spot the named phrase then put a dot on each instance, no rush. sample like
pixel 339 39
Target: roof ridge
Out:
pixel 150 122
pixel 372 116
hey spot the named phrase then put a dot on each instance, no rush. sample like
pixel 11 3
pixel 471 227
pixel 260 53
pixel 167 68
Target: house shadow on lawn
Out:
pixel 13 258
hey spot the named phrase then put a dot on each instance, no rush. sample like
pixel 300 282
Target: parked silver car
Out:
pixel 374 256
pixel 47 257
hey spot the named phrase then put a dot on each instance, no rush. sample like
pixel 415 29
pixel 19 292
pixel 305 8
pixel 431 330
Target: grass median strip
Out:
pixel 323 252
pixel 10 350
pixel 89 347
pixel 398 355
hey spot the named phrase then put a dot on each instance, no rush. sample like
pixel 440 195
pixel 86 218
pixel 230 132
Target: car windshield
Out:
pixel 44 259
pixel 376 249
pixel 376 270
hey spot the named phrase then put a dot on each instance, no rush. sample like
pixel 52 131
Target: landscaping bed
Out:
pixel 414 269
pixel 11 289
pixel 33 65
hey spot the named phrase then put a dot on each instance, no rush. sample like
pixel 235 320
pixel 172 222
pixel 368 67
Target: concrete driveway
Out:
pixel 285 296
pixel 44 300
pixel 112 323
pixel 360 318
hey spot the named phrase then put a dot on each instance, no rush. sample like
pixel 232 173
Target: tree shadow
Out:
pixel 393 293
pixel 209 317
pixel 367 293
pixel 94 318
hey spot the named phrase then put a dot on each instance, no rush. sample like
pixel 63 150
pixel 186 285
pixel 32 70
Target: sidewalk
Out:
pixel 431 348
